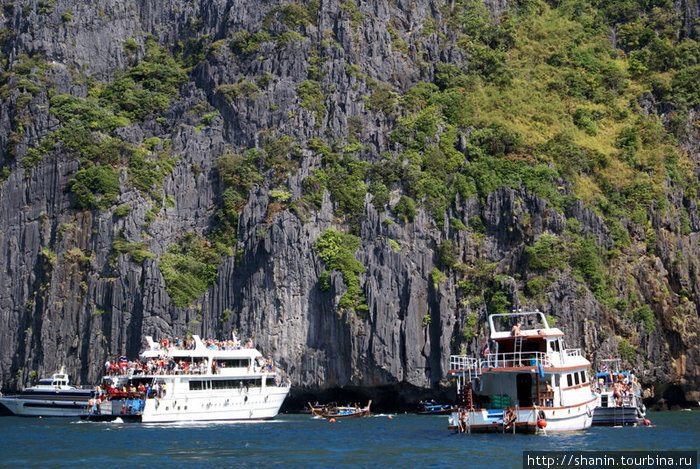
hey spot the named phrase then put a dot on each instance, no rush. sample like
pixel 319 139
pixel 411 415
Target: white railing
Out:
pixel 463 363
pixel 516 360
pixel 572 352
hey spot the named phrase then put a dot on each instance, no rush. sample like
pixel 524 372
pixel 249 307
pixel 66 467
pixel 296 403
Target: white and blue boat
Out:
pixel 431 408
pixel 51 397
pixel 619 397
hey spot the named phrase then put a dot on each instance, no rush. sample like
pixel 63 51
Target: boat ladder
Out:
pixel 518 351
pixel 474 374
pixel 468 397
pixel 618 416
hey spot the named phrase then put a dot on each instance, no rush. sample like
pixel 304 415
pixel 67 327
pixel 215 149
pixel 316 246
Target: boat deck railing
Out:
pixel 464 363
pixel 516 360
pixel 195 371
pixel 461 364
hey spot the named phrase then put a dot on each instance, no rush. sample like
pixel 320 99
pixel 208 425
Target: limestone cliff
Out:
pixel 255 74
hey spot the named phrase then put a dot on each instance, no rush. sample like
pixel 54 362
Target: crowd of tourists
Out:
pixel 166 365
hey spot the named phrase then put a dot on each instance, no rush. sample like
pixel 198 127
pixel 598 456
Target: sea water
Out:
pixel 302 441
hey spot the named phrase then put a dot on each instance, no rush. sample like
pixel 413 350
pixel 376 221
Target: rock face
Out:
pixel 67 298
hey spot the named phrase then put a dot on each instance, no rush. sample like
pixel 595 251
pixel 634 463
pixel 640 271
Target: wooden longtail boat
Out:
pixel 335 412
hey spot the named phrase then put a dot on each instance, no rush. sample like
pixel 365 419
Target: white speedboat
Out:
pixel 202 382
pixel 619 397
pixel 51 397
pixel 525 380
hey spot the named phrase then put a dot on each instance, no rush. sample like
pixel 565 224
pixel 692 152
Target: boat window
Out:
pixel 225 384
pixel 577 378
pixel 583 376
pixel 569 380
pixel 198 385
pixel 233 362
pixel 255 383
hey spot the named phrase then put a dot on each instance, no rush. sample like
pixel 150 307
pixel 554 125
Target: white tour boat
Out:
pixel 525 381
pixel 197 383
pixel 51 397
pixel 619 397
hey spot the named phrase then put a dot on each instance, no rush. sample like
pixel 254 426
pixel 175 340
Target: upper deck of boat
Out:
pixel 200 350
pixel 531 324
pixel 520 341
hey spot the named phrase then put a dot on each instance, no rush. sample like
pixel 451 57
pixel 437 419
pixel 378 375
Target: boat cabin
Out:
pixel 57 380
pixel 523 339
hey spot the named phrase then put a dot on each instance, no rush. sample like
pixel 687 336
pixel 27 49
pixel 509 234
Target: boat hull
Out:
pixel 55 407
pixel 527 420
pixel 435 412
pixel 349 415
pixel 259 404
pixel 617 416
pixel 435 409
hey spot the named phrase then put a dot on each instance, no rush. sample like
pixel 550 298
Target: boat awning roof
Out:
pixel 608 373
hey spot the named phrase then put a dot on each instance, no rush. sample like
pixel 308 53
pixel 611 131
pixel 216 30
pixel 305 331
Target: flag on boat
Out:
pixel 122 358
pixel 605 367
pixel 485 349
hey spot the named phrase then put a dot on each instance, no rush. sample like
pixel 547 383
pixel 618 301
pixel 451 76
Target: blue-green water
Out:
pixel 291 441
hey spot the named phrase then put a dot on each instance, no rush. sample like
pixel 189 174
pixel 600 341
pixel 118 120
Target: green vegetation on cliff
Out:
pixel 87 128
pixel 337 251
pixel 558 98
pixel 189 268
